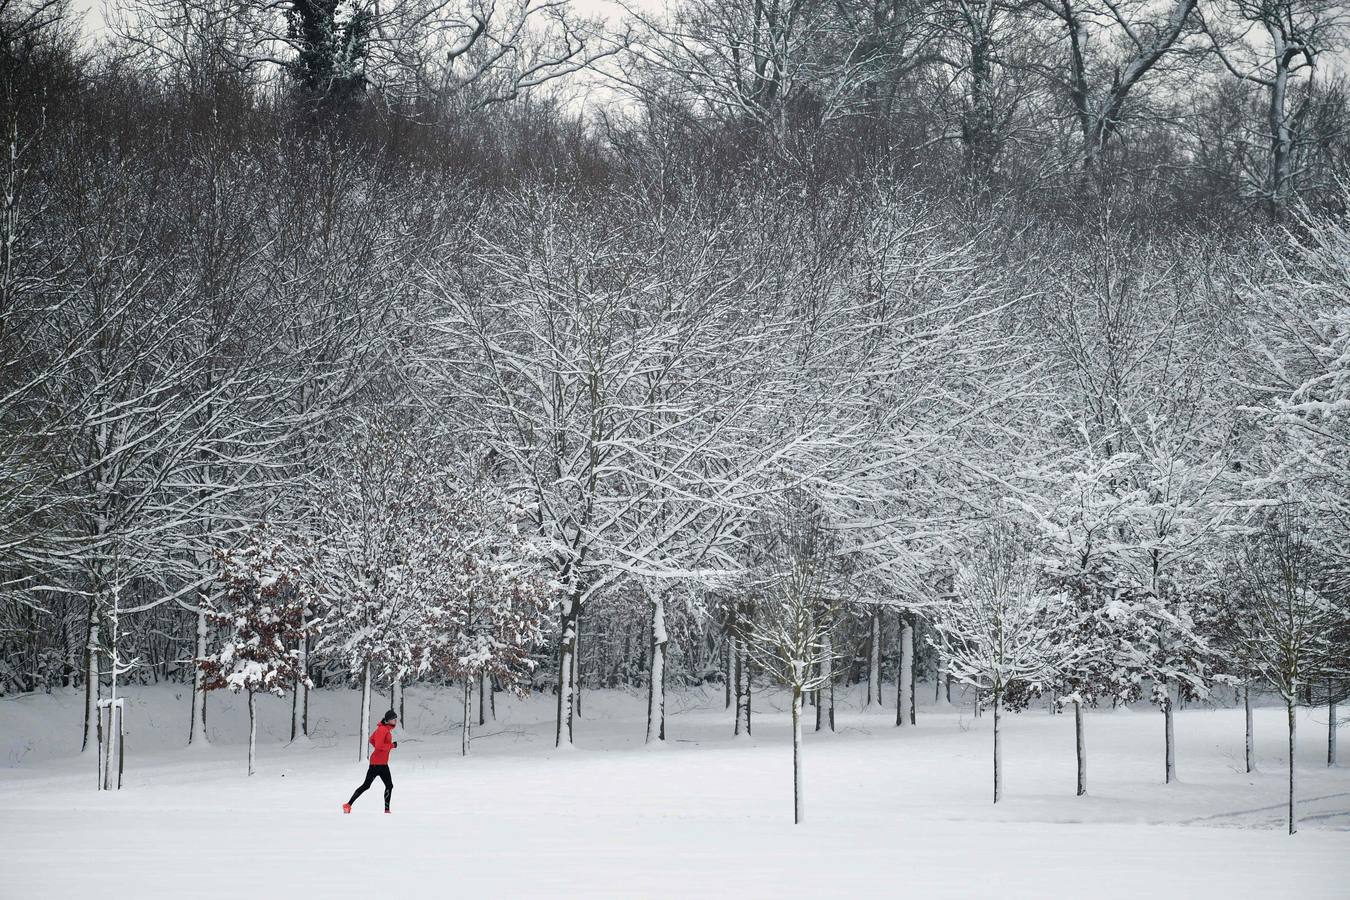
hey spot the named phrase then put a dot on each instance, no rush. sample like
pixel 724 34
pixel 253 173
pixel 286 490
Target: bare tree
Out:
pixel 611 393
pixel 779 67
pixel 411 52
pixel 998 629
pixel 1276 44
pixel 796 575
pixel 1098 88
pixel 1290 619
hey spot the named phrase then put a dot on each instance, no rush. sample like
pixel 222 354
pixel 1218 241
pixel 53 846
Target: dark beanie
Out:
pixel 389 716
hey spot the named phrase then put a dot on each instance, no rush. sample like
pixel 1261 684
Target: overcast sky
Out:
pixel 93 15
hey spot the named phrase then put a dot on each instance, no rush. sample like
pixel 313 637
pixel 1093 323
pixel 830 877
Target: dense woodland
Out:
pixel 528 347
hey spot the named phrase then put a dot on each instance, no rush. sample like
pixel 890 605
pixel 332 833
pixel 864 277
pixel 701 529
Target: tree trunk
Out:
pixel 874 662
pixel 1291 709
pixel 252 729
pixel 978 123
pixel 1169 738
pixel 797 787
pixel 1331 732
pixel 1080 744
pixel 998 746
pixel 656 689
pixel 739 674
pixel 113 656
pixel 304 685
pixel 731 666
pixel 901 717
pixel 576 665
pixel 197 727
pixel 363 731
pixel 467 717
pixel 106 740
pixel 1250 742
pixel 1281 135
pixel 825 708
pixel 298 698
pixel 566 671
pixel 482 697
pixel 397 704
pixel 905 692
pixel 98 751
pixel 121 747
pixel 92 721
pixel 743 705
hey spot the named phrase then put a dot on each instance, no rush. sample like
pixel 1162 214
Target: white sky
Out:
pixel 92 12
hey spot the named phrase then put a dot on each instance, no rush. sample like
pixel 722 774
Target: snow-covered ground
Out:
pixel 890 812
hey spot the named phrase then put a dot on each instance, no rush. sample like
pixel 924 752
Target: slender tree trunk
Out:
pixel 1291 709
pixel 726 681
pixel 743 717
pixel 197 727
pixel 900 717
pixel 467 717
pixel 482 697
pixel 92 687
pixel 106 739
pixel 1169 739
pixel 1250 742
pixel 121 747
pixel 797 786
pixel 304 678
pixel 566 671
pixel 363 731
pixel 576 666
pixel 825 708
pixel 998 745
pixel 874 662
pixel 397 698
pixel 98 751
pixel 252 729
pixel 656 689
pixel 740 688
pixel 1331 732
pixel 905 692
pixel 298 694
pixel 1080 744
pixel 113 656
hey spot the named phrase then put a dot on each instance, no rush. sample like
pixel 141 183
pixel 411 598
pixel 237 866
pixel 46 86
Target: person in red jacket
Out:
pixel 382 739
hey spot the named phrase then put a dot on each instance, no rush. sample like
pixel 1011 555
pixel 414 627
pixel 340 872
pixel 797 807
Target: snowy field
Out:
pixel 890 812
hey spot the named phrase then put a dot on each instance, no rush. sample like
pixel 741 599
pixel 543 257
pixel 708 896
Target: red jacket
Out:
pixel 382 739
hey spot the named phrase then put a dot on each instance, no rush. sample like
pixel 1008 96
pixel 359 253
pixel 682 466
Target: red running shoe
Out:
pixel 346 808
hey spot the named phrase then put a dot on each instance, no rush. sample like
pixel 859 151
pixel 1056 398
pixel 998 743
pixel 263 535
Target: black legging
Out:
pixel 371 773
